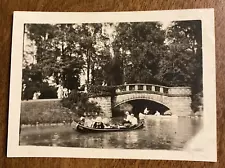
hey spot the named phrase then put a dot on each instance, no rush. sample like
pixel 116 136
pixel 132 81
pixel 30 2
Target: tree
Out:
pixel 95 48
pixel 183 60
pixel 57 54
pixel 138 49
pixel 78 103
pixel 183 64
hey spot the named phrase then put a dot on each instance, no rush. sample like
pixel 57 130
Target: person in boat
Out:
pixel 98 123
pixel 128 116
pixel 82 120
pixel 133 120
pixel 141 116
pixel 106 122
pixel 146 111
pixel 126 121
pixel 157 113
pixel 88 122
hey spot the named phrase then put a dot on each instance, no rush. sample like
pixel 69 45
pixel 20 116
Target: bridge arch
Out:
pixel 160 99
pixel 139 101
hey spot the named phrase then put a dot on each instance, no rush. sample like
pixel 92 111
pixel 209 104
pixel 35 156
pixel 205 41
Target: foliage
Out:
pixel 98 90
pixel 137 52
pixel 185 42
pixel 183 61
pixel 57 54
pixel 78 103
pixel 47 92
pixel 139 47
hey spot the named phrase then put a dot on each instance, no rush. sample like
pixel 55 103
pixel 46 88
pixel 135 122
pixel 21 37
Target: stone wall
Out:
pixel 180 106
pixel 104 103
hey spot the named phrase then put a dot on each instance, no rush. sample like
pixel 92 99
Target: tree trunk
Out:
pixel 88 67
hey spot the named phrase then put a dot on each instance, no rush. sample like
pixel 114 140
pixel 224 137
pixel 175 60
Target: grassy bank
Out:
pixel 44 112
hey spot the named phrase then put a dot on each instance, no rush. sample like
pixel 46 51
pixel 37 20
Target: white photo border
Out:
pixel 205 140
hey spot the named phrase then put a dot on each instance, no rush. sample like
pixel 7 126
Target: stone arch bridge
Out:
pixel 176 99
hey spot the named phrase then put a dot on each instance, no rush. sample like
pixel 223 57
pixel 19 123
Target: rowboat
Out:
pixel 144 116
pixel 84 129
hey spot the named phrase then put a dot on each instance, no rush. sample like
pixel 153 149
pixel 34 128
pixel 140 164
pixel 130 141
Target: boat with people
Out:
pixel 157 114
pixel 146 116
pixel 119 128
pixel 102 125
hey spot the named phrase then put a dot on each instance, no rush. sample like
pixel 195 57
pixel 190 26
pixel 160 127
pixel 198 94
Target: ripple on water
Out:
pixel 157 134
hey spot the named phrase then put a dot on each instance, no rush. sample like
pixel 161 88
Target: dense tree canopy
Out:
pixel 139 47
pixel 115 53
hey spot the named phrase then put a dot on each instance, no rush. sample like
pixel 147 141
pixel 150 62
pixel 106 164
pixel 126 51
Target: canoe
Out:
pixel 83 129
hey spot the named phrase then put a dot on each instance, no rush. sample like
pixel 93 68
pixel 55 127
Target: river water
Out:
pixel 158 133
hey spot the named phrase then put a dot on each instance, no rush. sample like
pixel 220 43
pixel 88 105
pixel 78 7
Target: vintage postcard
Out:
pixel 129 85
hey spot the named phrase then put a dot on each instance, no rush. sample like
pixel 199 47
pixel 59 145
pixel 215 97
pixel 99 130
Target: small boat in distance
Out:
pixel 84 129
pixel 144 116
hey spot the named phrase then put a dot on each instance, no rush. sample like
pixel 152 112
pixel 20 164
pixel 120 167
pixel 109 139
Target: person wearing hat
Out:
pixel 128 116
pixel 82 120
pixel 98 123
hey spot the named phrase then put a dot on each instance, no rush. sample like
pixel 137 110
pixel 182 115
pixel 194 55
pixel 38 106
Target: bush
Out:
pixel 47 92
pixel 29 92
pixel 78 103
pixel 99 90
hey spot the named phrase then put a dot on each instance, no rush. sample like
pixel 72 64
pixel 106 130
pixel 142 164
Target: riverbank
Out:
pixel 35 112
pixel 157 134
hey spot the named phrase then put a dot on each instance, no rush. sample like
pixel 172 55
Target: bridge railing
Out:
pixel 153 88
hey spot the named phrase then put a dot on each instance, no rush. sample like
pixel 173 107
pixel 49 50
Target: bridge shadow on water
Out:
pixel 138 106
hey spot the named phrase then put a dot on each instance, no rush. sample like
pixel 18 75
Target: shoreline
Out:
pixel 69 124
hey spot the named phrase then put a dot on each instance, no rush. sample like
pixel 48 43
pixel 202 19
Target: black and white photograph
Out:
pixel 135 85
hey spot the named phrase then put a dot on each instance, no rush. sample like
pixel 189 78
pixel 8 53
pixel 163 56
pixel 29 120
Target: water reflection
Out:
pixel 157 134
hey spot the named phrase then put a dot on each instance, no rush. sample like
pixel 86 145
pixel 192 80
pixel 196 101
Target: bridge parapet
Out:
pixel 157 89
